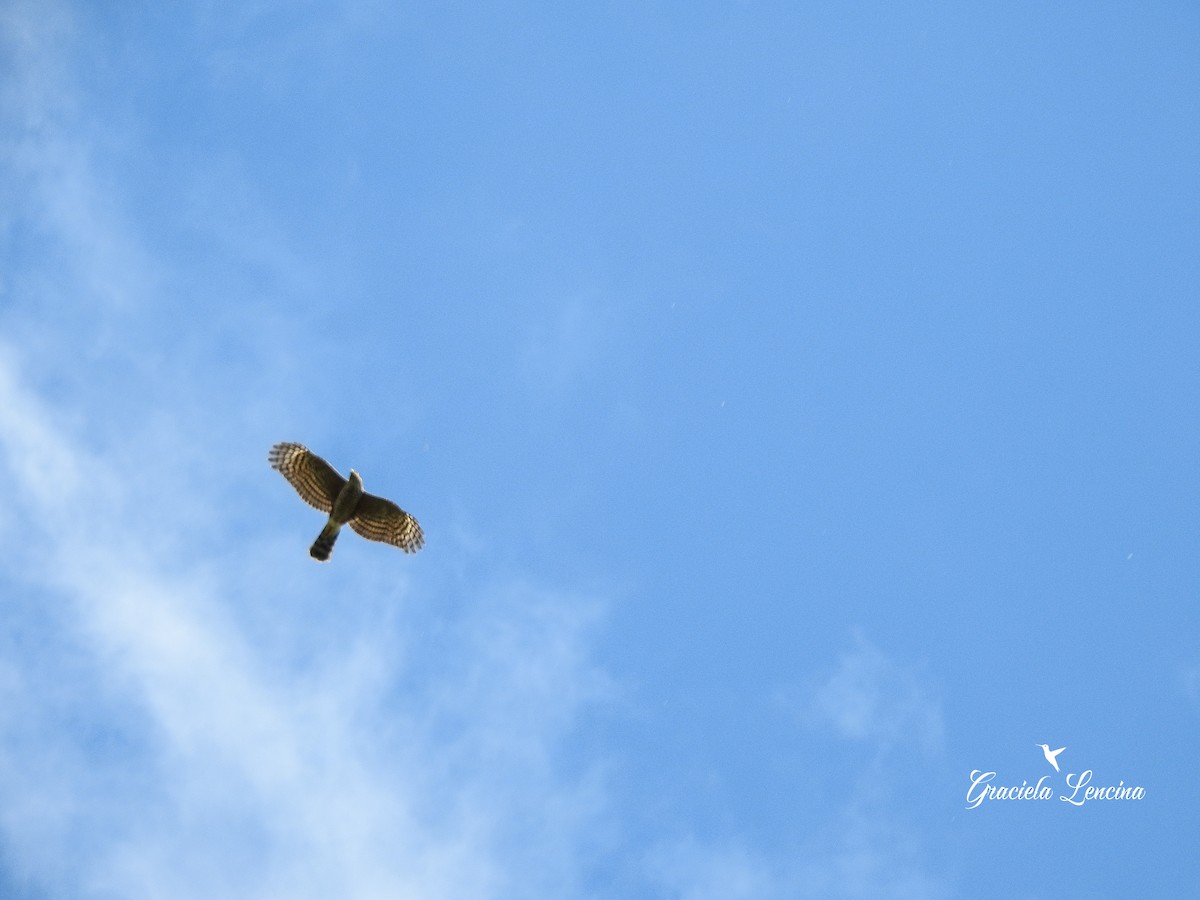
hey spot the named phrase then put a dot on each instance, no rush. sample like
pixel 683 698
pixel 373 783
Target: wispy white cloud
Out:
pixel 864 853
pixel 691 870
pixel 183 712
pixel 871 850
pixel 870 697
pixel 869 847
pixel 50 176
pixel 98 269
pixel 377 771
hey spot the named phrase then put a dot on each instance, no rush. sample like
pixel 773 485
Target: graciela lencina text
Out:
pixel 1079 790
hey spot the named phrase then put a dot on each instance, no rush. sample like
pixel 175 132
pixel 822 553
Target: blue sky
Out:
pixel 799 401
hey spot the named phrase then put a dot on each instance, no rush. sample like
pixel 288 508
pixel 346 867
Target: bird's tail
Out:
pixel 323 545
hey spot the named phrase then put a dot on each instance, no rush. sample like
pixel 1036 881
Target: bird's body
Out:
pixel 344 499
pixel 1051 755
pixel 342 512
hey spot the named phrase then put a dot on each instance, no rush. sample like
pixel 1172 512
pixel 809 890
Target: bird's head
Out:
pixel 355 478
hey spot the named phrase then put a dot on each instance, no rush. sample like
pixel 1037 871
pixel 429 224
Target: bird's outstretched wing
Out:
pixel 382 520
pixel 316 481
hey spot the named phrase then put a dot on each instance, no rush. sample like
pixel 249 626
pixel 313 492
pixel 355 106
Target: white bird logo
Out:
pixel 1051 754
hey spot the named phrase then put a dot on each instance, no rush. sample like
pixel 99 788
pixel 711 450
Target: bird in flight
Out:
pixel 1051 755
pixel 319 484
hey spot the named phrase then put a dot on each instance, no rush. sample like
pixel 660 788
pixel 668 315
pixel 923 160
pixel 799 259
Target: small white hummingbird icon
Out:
pixel 1051 754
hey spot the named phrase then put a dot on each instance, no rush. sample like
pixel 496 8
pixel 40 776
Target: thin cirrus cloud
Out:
pixel 178 724
pixel 863 854
pixel 179 743
pixel 870 697
pixel 196 724
pixel 867 847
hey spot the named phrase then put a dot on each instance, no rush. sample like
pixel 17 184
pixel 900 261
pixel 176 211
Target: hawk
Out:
pixel 319 484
